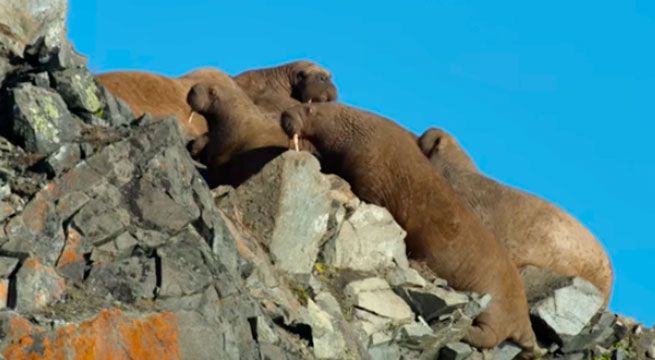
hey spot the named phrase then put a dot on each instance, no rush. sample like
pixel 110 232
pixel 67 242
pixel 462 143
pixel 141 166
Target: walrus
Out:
pixel 384 166
pixel 278 88
pixel 161 95
pixel 241 137
pixel 534 231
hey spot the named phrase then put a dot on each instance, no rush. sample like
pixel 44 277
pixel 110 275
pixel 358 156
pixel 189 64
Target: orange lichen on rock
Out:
pixel 111 335
pixel 4 293
pixel 71 254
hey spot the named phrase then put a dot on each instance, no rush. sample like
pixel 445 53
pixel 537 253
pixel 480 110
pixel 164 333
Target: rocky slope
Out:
pixel 112 246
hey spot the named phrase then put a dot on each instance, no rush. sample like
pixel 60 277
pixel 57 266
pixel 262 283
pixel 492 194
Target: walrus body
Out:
pixel 534 231
pixel 161 96
pixel 241 138
pixel 384 166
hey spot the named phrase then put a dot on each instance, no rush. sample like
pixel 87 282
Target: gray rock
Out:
pixel 37 285
pixel 433 302
pixel 265 333
pixel 41 119
pixel 574 356
pixel 507 351
pixel 408 277
pixel 619 354
pixel 328 340
pixel 369 240
pixel 63 158
pixel 23 21
pixel 116 112
pixel 385 352
pixel 36 232
pixel 41 79
pixel 183 269
pixel 455 351
pixel 287 205
pixel 595 333
pixel 7 266
pixel 6 210
pixel 416 330
pixel 650 352
pixel 477 304
pixel 78 88
pixel 570 307
pixel 375 295
pixel 127 280
pixel 103 218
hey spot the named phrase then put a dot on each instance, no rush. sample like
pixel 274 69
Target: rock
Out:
pixel 71 263
pixel 506 351
pixel 78 88
pixel 41 119
pixel 23 21
pixel 4 293
pixel 650 352
pixel 398 277
pixel 37 285
pixel 433 302
pixel 477 304
pixel 328 341
pixel 416 330
pixel 369 240
pixel 62 159
pixel 265 333
pixel 570 307
pixel 36 232
pixel 115 111
pixel 287 205
pixel 183 269
pixel 41 79
pixel 111 334
pixel 619 354
pixel 385 352
pixel 375 295
pixel 7 266
pixel 599 330
pixel 455 351
pixel 127 281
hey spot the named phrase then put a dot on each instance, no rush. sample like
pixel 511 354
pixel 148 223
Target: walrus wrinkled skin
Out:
pixel 534 231
pixel 278 88
pixel 384 166
pixel 160 95
pixel 241 138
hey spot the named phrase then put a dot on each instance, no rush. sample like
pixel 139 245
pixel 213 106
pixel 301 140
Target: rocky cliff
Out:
pixel 113 247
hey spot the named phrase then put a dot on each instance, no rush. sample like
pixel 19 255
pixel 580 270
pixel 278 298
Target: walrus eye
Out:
pixel 323 78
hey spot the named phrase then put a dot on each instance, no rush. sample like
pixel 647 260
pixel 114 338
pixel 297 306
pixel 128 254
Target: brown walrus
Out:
pixel 384 166
pixel 278 88
pixel 242 138
pixel 534 231
pixel 160 95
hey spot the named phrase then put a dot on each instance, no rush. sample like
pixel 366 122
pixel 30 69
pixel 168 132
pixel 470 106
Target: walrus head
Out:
pixel 201 97
pixel 293 120
pixel 444 151
pixel 311 83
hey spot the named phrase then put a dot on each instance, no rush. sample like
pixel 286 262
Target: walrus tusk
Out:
pixel 295 142
pixel 190 116
pixel 309 101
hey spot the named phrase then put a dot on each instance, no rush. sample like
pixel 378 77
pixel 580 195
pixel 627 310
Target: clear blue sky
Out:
pixel 555 97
